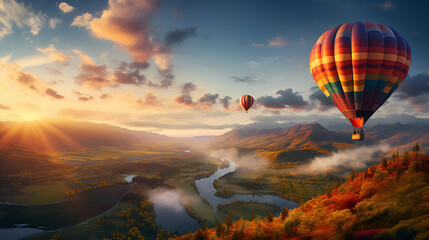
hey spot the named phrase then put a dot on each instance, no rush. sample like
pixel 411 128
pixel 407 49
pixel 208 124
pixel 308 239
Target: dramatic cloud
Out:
pixel 65 7
pixel 177 126
pixel 278 42
pixel 415 90
pixel 225 102
pixel 320 101
pixel 176 37
pixel 105 96
pixel 246 79
pixel 14 13
pixel 348 159
pixel 184 99
pixel 54 54
pixel 127 23
pixel 287 99
pixel 53 22
pixel 52 93
pixel 188 87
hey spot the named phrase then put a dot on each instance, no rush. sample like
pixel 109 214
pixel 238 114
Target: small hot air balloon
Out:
pixel 358 66
pixel 246 101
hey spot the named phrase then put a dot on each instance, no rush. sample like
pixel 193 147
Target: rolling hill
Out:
pixel 305 141
pixel 67 135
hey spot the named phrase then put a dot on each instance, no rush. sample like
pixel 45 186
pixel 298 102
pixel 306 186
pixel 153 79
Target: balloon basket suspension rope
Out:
pixel 358 134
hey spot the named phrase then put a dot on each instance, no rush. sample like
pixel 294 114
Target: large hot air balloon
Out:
pixel 246 101
pixel 358 66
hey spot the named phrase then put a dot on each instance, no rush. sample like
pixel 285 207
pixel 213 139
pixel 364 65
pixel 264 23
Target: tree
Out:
pixel 328 191
pixel 383 162
pixel 270 217
pixel 228 220
pixel 416 148
pixel 405 158
pixel 393 157
pixel 253 216
pixel 199 235
pixel 284 214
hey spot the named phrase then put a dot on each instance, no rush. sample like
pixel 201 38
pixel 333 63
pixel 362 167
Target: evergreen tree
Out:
pixel 270 217
pixel 284 214
pixel 405 158
pixel 228 220
pixel 383 162
pixel 393 157
pixel 328 191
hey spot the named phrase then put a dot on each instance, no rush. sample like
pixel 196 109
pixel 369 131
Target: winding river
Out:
pixel 171 215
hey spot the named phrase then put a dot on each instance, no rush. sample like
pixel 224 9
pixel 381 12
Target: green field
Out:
pixel 238 209
pixel 38 194
pixel 66 213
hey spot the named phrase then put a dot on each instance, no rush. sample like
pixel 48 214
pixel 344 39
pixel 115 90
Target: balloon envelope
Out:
pixel 246 102
pixel 358 66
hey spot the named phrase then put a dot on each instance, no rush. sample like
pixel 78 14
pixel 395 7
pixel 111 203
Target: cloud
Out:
pixel 415 90
pixel 91 75
pixel 208 100
pixel 14 13
pixel 83 97
pixel 54 71
pixel 320 101
pixel 127 23
pixel 4 107
pixel 287 99
pixel 184 99
pixel 149 101
pixel 166 78
pixel 386 5
pixel 81 114
pixel 54 54
pixel 247 79
pixel 225 102
pixel 258 45
pixel 347 159
pixel 106 96
pixel 188 87
pixel 177 126
pixel 278 42
pixel 130 73
pixel 52 93
pixel 176 37
pixel 65 7
pixel 28 81
pixel 53 22
pixel 31 61
pixel 166 199
pixel 82 20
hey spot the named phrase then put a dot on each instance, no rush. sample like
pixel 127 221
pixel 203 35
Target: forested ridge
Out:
pixel 386 201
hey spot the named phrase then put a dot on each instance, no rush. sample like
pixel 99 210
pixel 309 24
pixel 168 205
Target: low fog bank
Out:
pixel 244 160
pixel 344 160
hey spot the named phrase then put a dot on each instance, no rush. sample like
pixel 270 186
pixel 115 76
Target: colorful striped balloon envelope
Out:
pixel 246 102
pixel 358 66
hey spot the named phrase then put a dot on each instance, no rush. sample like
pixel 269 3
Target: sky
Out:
pixel 179 67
